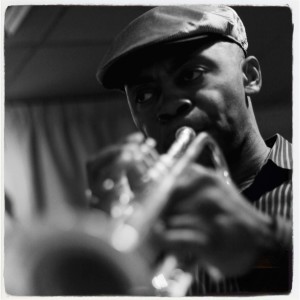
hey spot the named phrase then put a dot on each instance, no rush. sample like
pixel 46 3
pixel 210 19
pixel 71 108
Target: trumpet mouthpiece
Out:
pixel 186 132
pixel 184 136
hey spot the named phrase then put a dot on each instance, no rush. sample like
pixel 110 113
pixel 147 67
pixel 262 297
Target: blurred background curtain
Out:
pixel 46 147
pixel 56 114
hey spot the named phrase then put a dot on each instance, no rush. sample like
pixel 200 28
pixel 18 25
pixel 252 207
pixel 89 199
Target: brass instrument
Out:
pixel 87 254
pixel 169 279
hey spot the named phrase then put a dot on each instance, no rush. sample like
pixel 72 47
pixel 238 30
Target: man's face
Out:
pixel 202 89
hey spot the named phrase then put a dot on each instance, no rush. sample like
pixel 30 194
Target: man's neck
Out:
pixel 251 158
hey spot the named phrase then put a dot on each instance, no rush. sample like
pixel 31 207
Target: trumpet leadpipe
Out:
pixel 159 182
pixel 130 233
pixel 184 136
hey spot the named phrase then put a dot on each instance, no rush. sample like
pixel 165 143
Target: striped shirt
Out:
pixel 271 193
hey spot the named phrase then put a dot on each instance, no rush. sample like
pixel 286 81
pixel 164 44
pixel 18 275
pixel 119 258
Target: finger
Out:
pixel 207 203
pixel 140 162
pixel 195 191
pixel 103 158
pixel 150 154
pixel 185 239
pixel 135 138
pixel 135 174
pixel 193 177
pixel 186 221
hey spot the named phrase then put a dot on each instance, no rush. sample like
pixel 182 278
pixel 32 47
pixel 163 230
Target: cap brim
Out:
pixel 115 75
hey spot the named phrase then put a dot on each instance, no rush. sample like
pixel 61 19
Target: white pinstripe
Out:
pixel 275 202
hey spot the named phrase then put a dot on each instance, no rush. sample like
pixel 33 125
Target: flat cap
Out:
pixel 165 25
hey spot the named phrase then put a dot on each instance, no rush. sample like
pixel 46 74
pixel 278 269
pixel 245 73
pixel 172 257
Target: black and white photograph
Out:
pixel 148 149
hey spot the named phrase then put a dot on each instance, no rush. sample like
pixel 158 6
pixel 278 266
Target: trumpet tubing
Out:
pixel 80 261
pixel 44 260
pixel 159 182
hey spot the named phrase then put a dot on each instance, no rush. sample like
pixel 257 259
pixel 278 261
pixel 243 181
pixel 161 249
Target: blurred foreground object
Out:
pixel 89 253
pixel 70 257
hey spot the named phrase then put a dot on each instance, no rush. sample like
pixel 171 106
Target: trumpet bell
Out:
pixel 73 264
pixel 88 254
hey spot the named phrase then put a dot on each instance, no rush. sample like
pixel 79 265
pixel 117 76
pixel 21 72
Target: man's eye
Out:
pixel 143 97
pixel 191 75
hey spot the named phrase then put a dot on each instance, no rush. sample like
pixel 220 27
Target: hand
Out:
pixel 212 222
pixel 116 171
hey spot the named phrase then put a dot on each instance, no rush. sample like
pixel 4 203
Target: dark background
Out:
pixel 57 115
pixel 54 54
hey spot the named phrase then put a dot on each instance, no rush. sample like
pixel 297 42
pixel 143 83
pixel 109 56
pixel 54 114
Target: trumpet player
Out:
pixel 189 66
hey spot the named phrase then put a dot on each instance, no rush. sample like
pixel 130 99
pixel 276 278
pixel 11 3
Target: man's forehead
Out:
pixel 169 63
pixel 172 58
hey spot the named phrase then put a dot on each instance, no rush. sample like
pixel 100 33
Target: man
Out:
pixel 188 66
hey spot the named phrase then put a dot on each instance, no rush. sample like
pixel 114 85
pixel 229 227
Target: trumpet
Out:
pixel 169 278
pixel 89 254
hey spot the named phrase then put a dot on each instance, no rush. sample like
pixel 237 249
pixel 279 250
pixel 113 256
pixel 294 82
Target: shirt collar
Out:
pixel 281 151
pixel 276 170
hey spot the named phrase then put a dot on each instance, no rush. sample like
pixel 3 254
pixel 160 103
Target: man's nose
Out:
pixel 174 108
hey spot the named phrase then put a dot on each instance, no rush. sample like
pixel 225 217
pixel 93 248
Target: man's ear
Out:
pixel 251 75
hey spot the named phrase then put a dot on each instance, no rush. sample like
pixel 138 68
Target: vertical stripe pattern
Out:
pixel 277 202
